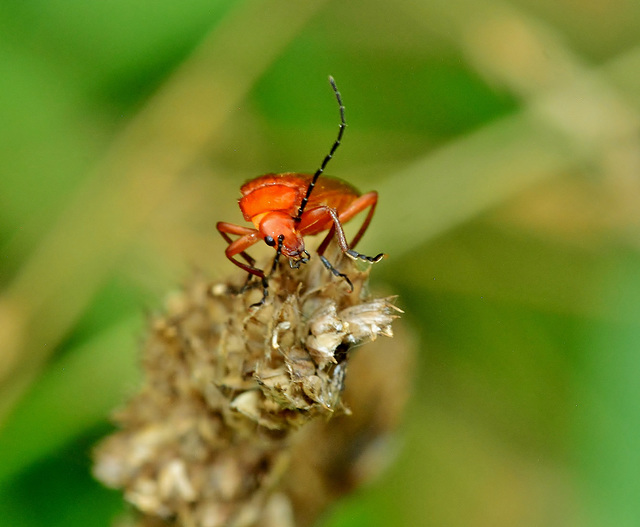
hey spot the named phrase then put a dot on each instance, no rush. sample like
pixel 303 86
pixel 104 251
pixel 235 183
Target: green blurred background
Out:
pixel 503 140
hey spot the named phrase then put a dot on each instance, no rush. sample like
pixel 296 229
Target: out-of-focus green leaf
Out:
pixel 607 404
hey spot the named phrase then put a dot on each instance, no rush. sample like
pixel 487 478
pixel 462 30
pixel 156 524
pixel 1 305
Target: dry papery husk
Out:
pixel 231 426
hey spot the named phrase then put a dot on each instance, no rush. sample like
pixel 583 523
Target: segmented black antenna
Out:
pixel 336 144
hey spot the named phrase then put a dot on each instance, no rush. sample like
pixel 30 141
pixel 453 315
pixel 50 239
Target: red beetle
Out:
pixel 285 208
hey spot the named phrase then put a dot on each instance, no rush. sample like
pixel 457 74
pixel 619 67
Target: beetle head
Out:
pixel 277 224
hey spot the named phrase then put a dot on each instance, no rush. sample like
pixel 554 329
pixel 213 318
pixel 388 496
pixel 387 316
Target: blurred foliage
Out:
pixel 503 139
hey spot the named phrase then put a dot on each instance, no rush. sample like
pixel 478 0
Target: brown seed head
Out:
pixel 228 391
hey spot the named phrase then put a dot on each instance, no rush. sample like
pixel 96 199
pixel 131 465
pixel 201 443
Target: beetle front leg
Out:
pixel 225 229
pixel 265 279
pixel 336 231
pixel 248 237
pixel 342 241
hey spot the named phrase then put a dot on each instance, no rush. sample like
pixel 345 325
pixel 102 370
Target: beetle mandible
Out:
pixel 284 208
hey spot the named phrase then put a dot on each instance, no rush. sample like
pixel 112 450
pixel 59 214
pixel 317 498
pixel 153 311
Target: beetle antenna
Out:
pixel 336 144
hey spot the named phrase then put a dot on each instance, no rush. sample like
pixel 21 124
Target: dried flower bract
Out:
pixel 228 392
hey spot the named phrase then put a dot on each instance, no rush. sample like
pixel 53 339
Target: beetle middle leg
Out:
pixel 334 271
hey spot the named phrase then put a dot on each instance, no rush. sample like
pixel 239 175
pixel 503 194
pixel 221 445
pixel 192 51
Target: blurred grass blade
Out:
pixel 558 132
pixel 75 393
pixel 468 176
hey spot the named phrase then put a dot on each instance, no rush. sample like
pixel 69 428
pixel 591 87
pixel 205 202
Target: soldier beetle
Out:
pixel 284 208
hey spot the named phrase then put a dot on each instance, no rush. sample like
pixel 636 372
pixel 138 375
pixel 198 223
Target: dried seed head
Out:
pixel 231 393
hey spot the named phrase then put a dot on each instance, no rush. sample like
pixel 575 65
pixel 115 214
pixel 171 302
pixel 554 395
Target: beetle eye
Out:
pixel 269 241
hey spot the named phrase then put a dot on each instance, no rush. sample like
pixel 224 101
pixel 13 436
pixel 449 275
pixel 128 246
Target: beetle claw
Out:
pixel 359 256
pixel 265 293
pixel 294 263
